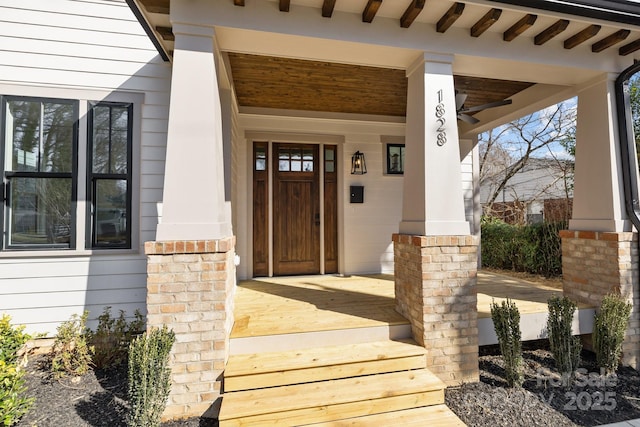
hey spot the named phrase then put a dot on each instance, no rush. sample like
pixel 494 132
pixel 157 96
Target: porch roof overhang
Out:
pixel 363 48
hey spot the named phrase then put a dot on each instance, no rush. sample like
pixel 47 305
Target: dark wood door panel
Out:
pixel 296 217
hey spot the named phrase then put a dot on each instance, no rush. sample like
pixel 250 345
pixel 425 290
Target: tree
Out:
pixel 536 144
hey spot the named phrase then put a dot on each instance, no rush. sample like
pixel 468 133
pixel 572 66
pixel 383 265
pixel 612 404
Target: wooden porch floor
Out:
pixel 287 305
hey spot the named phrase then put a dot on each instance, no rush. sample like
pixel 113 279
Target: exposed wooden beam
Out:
pixel 156 6
pixel 609 41
pixel 519 27
pixel 411 13
pixel 552 31
pixel 370 10
pixel 238 2
pixel 582 36
pixel 450 17
pixel 629 48
pixel 284 5
pixel 485 22
pixel 327 8
pixel 166 33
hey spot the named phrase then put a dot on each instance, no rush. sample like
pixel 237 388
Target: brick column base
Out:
pixel 595 264
pixel 190 288
pixel 435 284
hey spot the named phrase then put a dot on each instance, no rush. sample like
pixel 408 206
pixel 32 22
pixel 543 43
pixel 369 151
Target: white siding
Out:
pixel 85 50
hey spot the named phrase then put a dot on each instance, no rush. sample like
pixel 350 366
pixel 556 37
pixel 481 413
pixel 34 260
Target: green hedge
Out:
pixel 532 248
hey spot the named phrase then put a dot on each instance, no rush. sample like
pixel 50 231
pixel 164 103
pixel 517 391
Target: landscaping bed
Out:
pixel 99 397
pixel 543 400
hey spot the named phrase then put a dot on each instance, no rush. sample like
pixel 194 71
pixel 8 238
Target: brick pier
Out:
pixel 190 288
pixel 597 263
pixel 435 284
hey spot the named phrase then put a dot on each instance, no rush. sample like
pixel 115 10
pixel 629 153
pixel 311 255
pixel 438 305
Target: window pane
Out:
pixel 57 137
pixel 328 153
pixel 23 133
pixel 111 212
pixel 308 154
pixel 40 211
pixel 328 167
pixel 119 139
pixel 110 130
pixel 261 157
pixel 100 139
pixel 283 166
pixel 308 166
pixel 283 156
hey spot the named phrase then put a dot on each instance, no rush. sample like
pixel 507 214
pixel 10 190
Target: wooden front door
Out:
pixel 296 209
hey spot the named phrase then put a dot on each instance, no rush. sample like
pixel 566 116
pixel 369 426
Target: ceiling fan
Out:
pixel 462 112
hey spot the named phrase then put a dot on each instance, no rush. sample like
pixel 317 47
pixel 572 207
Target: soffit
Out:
pixel 285 83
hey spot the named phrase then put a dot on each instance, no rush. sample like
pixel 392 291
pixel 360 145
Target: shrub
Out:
pixel 542 249
pixel 506 321
pixel 149 377
pixel 71 353
pixel 532 248
pixel 12 338
pixel 13 400
pixel 609 329
pixel 498 243
pixel 112 337
pixel 565 347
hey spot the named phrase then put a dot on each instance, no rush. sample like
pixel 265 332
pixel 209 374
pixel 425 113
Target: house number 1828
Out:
pixel 441 135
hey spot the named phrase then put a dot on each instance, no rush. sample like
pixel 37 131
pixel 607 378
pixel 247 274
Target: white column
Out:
pixel 598 196
pixel 194 206
pixel 433 201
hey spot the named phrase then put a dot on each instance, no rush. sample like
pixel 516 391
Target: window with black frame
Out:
pixel 39 149
pixel 109 174
pixel 395 159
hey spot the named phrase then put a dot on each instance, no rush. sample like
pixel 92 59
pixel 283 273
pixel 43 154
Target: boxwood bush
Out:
pixel 534 248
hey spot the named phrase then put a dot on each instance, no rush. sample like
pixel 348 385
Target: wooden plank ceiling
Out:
pixel 283 83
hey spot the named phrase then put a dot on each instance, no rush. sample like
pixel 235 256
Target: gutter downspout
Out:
pixel 628 153
pixel 627 145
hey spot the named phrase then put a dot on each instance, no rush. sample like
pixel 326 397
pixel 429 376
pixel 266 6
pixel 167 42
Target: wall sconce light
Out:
pixel 358 165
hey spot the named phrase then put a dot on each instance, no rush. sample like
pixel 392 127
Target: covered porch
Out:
pixel 269 93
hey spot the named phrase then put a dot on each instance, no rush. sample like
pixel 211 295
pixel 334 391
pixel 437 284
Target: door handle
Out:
pixel 317 219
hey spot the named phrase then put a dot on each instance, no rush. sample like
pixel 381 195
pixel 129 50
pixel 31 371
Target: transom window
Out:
pixel 295 159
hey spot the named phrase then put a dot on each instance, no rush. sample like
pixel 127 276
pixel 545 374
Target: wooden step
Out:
pixel 251 371
pixel 433 416
pixel 331 400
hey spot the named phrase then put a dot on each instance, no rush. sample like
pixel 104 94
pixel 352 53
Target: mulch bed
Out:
pixel 544 399
pixel 99 397
pixel 96 399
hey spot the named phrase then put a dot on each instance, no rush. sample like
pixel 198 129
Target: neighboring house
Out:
pixel 541 190
pixel 155 152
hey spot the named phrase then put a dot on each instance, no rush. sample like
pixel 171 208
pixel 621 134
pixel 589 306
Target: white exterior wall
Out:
pixel 88 50
pixel 365 229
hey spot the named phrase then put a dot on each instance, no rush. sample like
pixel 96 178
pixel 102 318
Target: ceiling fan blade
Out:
pixel 468 119
pixel 460 98
pixel 486 106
